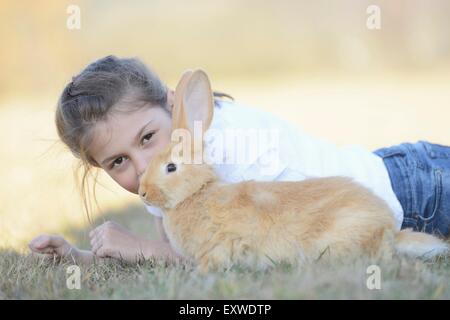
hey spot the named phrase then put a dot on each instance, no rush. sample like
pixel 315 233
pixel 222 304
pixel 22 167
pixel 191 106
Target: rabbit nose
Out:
pixel 144 194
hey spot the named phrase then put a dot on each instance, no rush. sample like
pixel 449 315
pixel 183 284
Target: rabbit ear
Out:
pixel 178 115
pixel 193 101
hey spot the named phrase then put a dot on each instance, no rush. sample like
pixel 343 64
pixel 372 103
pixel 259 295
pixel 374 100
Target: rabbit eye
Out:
pixel 171 167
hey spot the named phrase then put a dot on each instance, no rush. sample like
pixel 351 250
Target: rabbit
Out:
pixel 258 223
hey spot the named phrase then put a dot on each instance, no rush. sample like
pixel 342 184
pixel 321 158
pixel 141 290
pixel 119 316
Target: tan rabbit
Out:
pixel 255 223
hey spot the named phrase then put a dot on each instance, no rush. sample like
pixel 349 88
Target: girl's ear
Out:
pixel 198 100
pixel 170 99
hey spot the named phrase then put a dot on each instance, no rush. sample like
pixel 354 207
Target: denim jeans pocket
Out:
pixel 420 174
pixel 431 207
pixel 436 151
pixel 390 152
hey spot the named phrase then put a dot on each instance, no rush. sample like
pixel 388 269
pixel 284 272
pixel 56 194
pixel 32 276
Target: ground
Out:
pixel 23 277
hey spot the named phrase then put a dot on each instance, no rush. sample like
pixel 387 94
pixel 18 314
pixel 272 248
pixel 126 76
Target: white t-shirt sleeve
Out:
pixel 157 212
pixel 271 169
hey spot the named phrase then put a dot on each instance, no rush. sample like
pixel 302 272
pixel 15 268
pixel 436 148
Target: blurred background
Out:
pixel 315 63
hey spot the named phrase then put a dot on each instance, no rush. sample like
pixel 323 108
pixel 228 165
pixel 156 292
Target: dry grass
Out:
pixel 24 278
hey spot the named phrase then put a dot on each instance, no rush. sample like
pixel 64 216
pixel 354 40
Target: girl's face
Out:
pixel 125 143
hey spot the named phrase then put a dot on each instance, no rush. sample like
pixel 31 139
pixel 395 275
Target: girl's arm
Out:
pixel 111 240
pixel 86 257
pixel 162 248
pixel 48 246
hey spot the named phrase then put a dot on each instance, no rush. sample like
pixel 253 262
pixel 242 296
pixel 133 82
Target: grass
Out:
pixel 315 65
pixel 24 277
pixel 38 196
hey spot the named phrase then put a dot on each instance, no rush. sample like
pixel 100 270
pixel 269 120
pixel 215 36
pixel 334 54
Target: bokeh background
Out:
pixel 314 63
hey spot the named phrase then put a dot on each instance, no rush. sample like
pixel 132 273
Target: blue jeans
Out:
pixel 420 177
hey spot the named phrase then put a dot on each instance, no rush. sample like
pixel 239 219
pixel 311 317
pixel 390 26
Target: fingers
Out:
pixel 95 232
pixel 39 242
pixel 96 246
pixel 42 251
pixel 97 238
pixel 45 241
pixel 95 242
pixel 94 238
pixel 57 241
pixel 96 235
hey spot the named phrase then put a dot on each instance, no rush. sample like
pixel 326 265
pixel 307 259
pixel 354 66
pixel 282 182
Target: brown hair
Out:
pixel 91 96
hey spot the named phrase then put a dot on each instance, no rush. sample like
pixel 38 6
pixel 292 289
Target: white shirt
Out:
pixel 289 155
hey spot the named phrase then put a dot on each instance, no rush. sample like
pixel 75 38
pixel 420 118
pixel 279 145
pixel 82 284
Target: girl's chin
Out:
pixel 133 190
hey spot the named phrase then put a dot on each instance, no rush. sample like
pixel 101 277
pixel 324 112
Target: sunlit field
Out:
pixel 319 69
pixel 40 195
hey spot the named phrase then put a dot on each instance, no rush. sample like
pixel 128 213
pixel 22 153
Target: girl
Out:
pixel 116 114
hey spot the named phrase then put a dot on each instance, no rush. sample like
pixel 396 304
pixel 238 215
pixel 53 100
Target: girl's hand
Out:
pixel 50 245
pixel 114 241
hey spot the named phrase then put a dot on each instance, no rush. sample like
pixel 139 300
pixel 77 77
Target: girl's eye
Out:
pixel 148 136
pixel 117 162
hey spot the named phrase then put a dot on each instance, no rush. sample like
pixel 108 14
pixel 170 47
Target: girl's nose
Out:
pixel 140 169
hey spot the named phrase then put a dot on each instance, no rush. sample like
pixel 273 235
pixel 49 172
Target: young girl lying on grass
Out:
pixel 116 115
